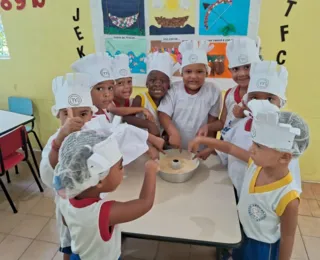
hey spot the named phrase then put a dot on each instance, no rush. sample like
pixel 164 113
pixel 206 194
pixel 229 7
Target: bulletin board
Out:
pixel 138 27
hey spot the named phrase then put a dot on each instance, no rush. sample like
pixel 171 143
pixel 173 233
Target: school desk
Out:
pixel 201 211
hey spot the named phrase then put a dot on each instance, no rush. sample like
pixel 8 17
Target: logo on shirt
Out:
pixel 193 58
pixel 256 212
pixel 253 132
pixel 243 59
pixel 262 83
pixel 74 100
pixel 105 73
pixel 123 72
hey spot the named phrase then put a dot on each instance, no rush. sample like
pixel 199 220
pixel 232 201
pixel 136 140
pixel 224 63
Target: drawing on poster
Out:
pixel 125 17
pixel 224 17
pixel 167 17
pixel 218 61
pixel 135 49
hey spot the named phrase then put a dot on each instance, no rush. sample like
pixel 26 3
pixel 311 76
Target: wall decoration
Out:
pixel 125 17
pixel 218 61
pixel 167 17
pixel 135 49
pixel 224 17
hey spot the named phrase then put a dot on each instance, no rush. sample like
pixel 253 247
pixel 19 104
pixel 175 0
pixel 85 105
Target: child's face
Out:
pixel 123 88
pixel 241 75
pixel 194 76
pixel 102 94
pixel 273 99
pixel 266 157
pixel 85 113
pixel 158 84
pixel 114 178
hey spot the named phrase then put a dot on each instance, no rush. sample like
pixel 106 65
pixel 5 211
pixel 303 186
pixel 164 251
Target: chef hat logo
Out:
pixel 243 59
pixel 193 58
pixel 123 72
pixel 262 83
pixel 105 73
pixel 74 100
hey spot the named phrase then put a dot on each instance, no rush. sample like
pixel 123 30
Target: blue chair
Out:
pixel 24 106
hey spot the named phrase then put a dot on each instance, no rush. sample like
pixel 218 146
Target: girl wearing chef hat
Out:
pixel 241 53
pixel 102 71
pixel 91 164
pixel 161 68
pixel 269 197
pixel 191 103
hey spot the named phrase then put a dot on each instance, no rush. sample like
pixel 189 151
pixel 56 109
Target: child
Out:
pixel 273 93
pixel 90 164
pixel 269 200
pixel 160 70
pixel 102 72
pixel 192 103
pixel 241 53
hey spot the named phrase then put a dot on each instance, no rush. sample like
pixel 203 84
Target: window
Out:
pixel 4 51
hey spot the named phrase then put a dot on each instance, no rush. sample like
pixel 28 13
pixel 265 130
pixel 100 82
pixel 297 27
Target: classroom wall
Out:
pixel 43 44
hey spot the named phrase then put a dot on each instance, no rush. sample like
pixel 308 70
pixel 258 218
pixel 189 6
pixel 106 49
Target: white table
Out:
pixel 10 121
pixel 201 211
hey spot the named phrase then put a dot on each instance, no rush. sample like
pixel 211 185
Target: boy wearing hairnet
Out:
pixel 269 198
pixel 90 164
pixel 191 103
pixel 268 83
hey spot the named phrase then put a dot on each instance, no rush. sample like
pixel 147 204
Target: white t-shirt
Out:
pixel 190 112
pixel 260 207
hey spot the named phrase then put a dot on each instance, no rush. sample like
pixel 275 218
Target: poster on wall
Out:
pixel 138 27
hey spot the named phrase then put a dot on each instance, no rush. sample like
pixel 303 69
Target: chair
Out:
pixel 10 157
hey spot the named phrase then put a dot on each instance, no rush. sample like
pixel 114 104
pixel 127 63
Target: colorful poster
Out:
pixel 134 48
pixel 168 17
pixel 218 61
pixel 224 17
pixel 124 17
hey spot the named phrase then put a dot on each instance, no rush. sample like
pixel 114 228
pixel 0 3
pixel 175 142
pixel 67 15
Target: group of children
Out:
pixel 103 129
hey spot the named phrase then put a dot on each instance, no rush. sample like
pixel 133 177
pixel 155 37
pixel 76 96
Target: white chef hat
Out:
pixel 268 77
pixel 97 65
pixel 120 65
pixel 193 52
pixel 162 61
pixel 71 90
pixel 243 51
pixel 87 156
pixel 283 131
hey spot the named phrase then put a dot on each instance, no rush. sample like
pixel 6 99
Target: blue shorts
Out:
pixel 66 250
pixel 251 249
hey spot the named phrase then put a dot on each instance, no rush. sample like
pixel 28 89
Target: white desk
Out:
pixel 201 211
pixel 9 121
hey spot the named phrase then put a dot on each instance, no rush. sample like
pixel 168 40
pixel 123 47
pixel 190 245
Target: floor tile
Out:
pixel 140 248
pixel 202 252
pixel 314 208
pixel 316 190
pixel 45 207
pixel 299 250
pixel 50 232
pixel 26 202
pixel 40 250
pixel 58 256
pixel 307 192
pixel 313 247
pixel 12 247
pixel 9 221
pixel 30 226
pixel 173 251
pixel 304 208
pixel 309 226
pixel 2 236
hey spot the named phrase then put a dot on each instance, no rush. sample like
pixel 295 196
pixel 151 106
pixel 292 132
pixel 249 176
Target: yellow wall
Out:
pixel 43 44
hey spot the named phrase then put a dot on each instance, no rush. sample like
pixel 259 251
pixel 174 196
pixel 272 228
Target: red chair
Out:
pixel 10 156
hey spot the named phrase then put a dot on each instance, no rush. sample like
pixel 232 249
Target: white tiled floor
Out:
pixel 31 233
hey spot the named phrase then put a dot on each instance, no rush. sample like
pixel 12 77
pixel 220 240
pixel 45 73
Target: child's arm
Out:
pixel 288 220
pixel 221 146
pixel 172 131
pixel 122 212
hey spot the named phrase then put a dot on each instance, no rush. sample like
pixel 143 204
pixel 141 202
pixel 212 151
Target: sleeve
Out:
pixel 215 109
pixel 285 200
pixel 46 170
pixel 143 100
pixel 105 229
pixel 167 103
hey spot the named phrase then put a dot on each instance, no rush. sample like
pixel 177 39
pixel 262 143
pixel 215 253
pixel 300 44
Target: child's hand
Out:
pixel 203 131
pixel 148 115
pixel 193 145
pixel 204 154
pixel 72 124
pixel 238 111
pixel 175 140
pixel 153 153
pixel 152 167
